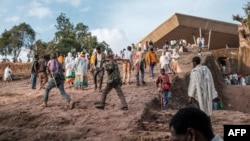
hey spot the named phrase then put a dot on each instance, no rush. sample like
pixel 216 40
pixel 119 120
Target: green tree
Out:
pixel 40 48
pixel 5 44
pixel 17 37
pixel 65 36
pixel 245 21
pixel 73 38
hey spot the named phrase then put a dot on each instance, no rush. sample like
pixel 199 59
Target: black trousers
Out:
pixel 118 89
pixel 98 72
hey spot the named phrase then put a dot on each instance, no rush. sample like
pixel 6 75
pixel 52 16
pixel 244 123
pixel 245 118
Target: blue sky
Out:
pixel 117 22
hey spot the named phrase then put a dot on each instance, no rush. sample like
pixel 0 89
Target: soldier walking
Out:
pixel 114 81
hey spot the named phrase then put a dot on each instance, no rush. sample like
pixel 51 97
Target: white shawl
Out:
pixel 201 88
pixel 7 74
pixel 80 66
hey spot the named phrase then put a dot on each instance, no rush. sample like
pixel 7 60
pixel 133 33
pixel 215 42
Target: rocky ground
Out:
pixel 21 117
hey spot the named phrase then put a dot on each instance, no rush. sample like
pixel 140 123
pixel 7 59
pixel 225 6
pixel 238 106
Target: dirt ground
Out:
pixel 21 117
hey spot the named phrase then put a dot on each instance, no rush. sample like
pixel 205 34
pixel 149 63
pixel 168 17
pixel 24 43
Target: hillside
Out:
pixel 21 117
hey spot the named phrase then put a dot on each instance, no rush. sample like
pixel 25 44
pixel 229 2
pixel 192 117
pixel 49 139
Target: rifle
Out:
pixel 53 77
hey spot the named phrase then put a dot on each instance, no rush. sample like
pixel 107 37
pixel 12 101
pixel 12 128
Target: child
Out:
pixel 164 88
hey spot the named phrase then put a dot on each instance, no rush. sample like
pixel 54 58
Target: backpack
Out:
pixel 58 75
pixel 165 84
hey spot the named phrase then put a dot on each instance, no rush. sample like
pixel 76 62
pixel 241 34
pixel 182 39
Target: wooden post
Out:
pixel 200 32
pixel 194 39
pixel 209 39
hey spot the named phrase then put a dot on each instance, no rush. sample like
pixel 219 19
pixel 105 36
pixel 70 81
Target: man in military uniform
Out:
pixel 114 81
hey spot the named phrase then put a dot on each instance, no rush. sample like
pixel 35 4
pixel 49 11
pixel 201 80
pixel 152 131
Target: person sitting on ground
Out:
pixel 192 124
pixel 7 74
pixel 247 78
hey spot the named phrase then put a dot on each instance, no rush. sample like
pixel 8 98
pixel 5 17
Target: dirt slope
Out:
pixel 21 117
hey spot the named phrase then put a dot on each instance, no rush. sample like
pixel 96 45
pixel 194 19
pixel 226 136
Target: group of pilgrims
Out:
pixel 76 69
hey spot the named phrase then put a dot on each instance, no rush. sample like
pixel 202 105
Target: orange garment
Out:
pixel 60 60
pixel 92 59
pixel 175 67
pixel 151 57
pixel 126 66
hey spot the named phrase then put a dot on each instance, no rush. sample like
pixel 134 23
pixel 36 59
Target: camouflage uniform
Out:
pixel 114 81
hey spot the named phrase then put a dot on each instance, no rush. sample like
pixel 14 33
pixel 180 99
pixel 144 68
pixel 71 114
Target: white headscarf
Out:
pixel 68 58
pixel 175 55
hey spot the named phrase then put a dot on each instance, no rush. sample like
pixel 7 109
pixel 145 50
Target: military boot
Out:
pixel 100 106
pixel 71 104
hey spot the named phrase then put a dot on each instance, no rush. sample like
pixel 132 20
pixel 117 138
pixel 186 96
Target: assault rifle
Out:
pixel 53 77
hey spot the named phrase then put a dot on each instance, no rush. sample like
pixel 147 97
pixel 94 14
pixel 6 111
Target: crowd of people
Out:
pixel 237 79
pixel 75 71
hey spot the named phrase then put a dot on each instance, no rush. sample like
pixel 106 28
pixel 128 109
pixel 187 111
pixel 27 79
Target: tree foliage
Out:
pixel 245 21
pixel 74 38
pixel 5 44
pixel 14 39
pixel 68 38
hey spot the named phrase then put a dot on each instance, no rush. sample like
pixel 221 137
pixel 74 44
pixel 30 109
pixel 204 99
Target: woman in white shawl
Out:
pixel 164 61
pixel 7 74
pixel 174 63
pixel 69 63
pixel 80 68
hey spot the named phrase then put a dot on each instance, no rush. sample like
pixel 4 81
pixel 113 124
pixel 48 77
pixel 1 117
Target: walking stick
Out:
pixel 161 100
